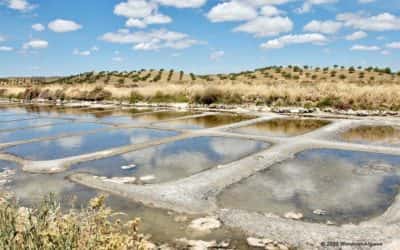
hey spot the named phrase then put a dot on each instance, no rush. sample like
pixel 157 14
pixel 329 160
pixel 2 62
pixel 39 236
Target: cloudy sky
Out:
pixel 59 37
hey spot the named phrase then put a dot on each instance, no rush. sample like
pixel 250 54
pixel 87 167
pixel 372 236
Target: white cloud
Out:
pixel 393 45
pixel 38 27
pixel 265 2
pixel 216 55
pixel 385 52
pixel 35 44
pixel 6 48
pixel 151 40
pixel 231 11
pixel 134 8
pixel 356 35
pixel 20 5
pixel 183 3
pixel 266 26
pixel 2 38
pixel 241 10
pixel 142 23
pixel 88 52
pixel 308 4
pixel 281 42
pixel 61 25
pixel 141 13
pixel 123 36
pixel 326 27
pixel 157 19
pixel 181 44
pixel 269 10
pixel 358 47
pixel 366 1
pixel 135 23
pixel 382 22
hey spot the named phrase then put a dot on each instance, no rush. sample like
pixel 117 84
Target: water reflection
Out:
pixel 345 184
pixel 208 121
pixel 48 131
pixel 174 160
pixel 77 145
pixel 389 135
pixel 16 117
pixel 30 123
pixel 283 127
pixel 136 117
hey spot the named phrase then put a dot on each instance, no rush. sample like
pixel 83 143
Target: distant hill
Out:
pixel 336 86
pixel 267 75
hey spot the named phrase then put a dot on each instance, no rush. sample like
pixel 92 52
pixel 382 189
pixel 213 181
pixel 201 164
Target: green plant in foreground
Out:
pixel 47 227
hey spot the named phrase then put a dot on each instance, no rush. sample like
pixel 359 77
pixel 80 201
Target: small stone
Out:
pixel 147 178
pixel 283 247
pixel 149 245
pixel 223 244
pixel 293 215
pixel 197 244
pixel 205 224
pixel 181 218
pixel 320 212
pixel 121 180
pixel 258 242
pixel 259 157
pixel 127 167
pixel 271 247
pixel 165 247
pixel 330 223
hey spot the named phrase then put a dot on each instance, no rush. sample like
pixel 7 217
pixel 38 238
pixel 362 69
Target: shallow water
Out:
pixel 7 165
pixel 208 121
pixel 30 123
pixel 349 186
pixel 282 127
pixel 135 117
pixel 78 145
pixel 381 135
pixel 175 160
pixel 84 113
pixel 16 117
pixel 48 131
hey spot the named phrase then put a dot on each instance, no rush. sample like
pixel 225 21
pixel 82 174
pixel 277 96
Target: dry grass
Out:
pixel 276 86
pixel 47 227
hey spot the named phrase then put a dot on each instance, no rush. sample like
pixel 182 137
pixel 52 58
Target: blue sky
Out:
pixel 59 37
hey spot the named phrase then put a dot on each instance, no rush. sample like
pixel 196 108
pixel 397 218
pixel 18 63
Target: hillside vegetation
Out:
pixel 336 86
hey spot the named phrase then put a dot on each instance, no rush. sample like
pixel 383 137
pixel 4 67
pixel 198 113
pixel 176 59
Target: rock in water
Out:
pixel 203 245
pixel 320 212
pixel 257 242
pixel 205 224
pixel 293 215
pixel 147 178
pixel 127 167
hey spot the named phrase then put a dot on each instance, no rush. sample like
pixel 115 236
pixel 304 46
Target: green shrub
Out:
pixel 160 97
pixel 135 97
pixel 97 94
pixel 208 96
